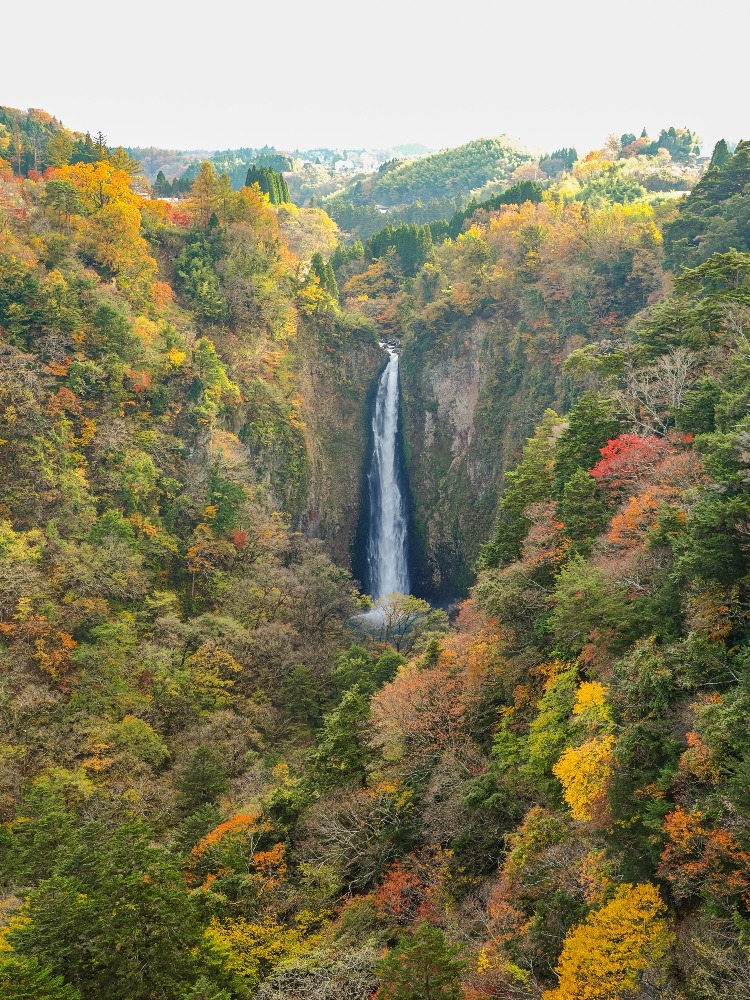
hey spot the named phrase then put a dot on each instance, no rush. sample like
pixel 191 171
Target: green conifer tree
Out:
pixel 422 966
pixel 27 979
pixel 343 752
pixel 203 781
pixel 591 423
pixel 582 510
pixel 530 482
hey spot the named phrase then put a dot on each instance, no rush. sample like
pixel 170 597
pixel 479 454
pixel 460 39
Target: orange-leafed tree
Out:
pixel 628 461
pixel 702 859
pixel 419 714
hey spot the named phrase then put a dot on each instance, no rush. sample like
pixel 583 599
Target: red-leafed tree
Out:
pixel 628 461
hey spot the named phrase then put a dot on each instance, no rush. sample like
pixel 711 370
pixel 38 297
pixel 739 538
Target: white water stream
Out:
pixel 387 560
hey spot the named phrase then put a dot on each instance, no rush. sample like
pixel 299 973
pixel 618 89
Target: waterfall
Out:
pixel 387 564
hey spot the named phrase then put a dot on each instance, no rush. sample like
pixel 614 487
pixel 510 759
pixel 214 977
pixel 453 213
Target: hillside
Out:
pixel 450 172
pixel 434 185
pixel 35 140
pixel 219 780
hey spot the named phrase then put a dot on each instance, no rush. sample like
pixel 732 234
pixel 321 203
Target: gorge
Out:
pixel 523 430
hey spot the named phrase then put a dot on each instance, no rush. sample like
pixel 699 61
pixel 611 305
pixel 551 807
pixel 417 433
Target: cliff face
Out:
pixel 335 369
pixel 470 398
pixel 484 328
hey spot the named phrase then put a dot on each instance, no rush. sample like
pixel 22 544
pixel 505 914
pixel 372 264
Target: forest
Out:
pixel 531 783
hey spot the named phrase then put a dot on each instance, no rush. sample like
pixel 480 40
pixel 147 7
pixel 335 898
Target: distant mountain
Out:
pixel 171 162
pixel 449 172
pixel 235 162
pixel 429 187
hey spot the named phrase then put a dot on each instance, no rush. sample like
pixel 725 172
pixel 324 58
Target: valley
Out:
pixel 374 570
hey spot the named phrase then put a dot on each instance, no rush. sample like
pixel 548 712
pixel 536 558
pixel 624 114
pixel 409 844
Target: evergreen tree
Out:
pixel 720 154
pixel 715 218
pixel 591 423
pixel 204 989
pixel 530 482
pixel 197 825
pixel 84 151
pixel 100 146
pixel 412 243
pixel 343 752
pixel 582 510
pixel 62 197
pixel 301 695
pixel 422 966
pixel 162 187
pixel 270 182
pixel 30 851
pixel 27 979
pixel 118 923
pixel 227 498
pixel 203 781
pixel 325 274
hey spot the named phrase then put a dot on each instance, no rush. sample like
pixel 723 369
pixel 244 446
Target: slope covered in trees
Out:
pixel 451 172
pixel 432 187
pixel 216 784
pixel 716 216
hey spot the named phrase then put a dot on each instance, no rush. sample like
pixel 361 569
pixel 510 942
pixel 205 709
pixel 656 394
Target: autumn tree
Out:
pixel 616 948
pixel 583 772
pixel 402 619
pixel 204 195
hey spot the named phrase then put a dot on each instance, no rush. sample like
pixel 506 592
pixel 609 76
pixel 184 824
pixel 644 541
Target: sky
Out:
pixel 374 74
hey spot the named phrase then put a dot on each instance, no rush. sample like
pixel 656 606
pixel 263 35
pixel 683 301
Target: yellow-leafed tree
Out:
pixel 606 956
pixel 584 772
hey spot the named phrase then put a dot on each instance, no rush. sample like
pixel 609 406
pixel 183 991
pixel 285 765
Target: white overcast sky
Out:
pixel 378 72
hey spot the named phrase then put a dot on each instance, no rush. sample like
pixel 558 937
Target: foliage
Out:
pixel 127 901
pixel 425 188
pixel 608 955
pixel 422 965
pixel 714 217
pixel 26 979
pixel 530 482
pixel 270 183
pixel 583 772
pixel 216 777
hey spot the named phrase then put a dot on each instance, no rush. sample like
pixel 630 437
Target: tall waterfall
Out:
pixel 387 562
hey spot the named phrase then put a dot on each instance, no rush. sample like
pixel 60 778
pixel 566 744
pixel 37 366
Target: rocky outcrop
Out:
pixel 336 368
